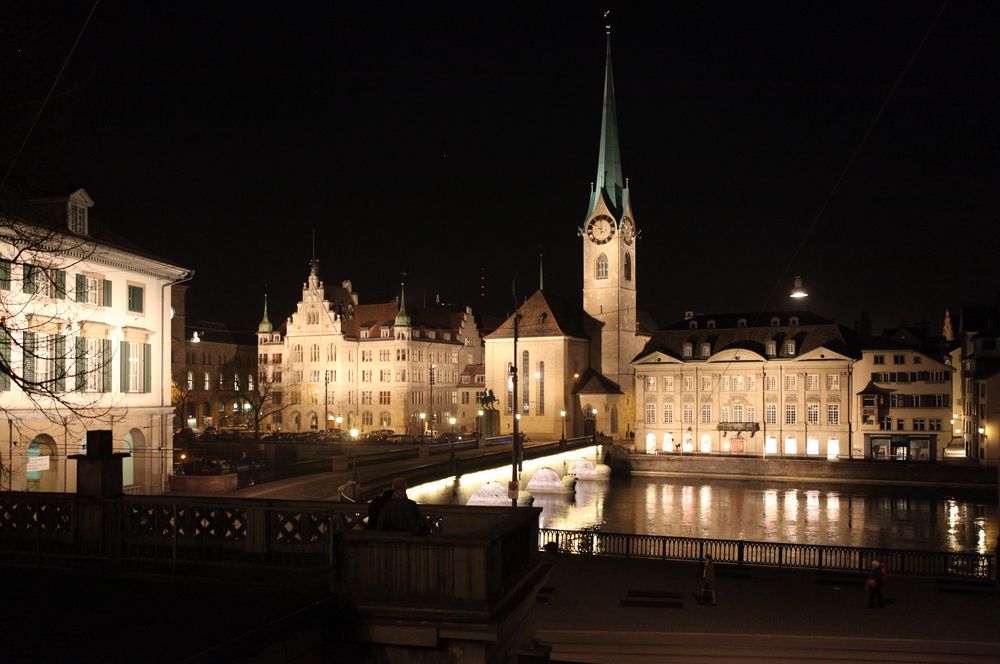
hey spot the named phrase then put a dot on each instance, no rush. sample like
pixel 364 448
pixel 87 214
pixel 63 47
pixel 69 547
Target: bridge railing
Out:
pixel 769 554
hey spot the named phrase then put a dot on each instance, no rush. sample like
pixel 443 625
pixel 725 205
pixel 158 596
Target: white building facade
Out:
pixel 85 346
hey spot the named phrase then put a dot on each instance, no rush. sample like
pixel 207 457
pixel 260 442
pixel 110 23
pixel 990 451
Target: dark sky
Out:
pixel 452 139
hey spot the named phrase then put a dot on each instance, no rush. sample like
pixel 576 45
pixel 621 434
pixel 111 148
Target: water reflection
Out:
pixel 751 510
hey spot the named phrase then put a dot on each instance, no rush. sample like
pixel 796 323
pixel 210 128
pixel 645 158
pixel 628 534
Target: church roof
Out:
pixel 594 382
pixel 544 315
pixel 609 183
pixel 382 315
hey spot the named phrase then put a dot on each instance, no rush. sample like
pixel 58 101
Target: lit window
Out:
pixel 772 349
pixel 190 381
pixel 688 350
pixel 706 349
pixel 789 348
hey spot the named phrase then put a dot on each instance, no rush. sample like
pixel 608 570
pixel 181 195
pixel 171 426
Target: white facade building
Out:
pixel 85 345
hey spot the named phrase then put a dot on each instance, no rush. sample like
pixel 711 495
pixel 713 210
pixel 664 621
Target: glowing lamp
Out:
pixel 798 290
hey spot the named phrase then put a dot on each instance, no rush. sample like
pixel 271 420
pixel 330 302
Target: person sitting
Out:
pixel 400 513
pixel 375 508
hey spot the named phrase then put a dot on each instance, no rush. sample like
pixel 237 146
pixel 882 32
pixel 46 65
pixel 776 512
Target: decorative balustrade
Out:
pixel 769 554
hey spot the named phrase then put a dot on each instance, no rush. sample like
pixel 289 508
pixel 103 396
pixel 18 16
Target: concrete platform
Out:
pixel 588 613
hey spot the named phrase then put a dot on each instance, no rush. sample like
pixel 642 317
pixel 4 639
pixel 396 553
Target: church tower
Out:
pixel 609 254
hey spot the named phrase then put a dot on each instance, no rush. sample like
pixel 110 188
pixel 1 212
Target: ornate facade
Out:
pixel 367 366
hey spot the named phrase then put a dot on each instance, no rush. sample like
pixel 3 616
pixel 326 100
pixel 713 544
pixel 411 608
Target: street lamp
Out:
pixel 423 428
pixel 432 377
pixel 354 433
pixel 562 414
pixel 451 421
pixel 479 423
pixel 326 400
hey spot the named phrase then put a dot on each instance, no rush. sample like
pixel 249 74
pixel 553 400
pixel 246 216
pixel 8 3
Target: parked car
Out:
pixel 402 439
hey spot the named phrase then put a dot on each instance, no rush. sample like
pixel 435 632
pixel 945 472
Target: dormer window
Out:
pixel 706 350
pixel 789 348
pixel 741 322
pixel 688 351
pixel 693 325
pixel 77 218
pixel 364 334
pixel 793 321
pixel 772 348
pixel 775 322
pixel 386 333
pixel 710 324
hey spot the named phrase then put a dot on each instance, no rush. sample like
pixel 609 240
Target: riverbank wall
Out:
pixel 957 474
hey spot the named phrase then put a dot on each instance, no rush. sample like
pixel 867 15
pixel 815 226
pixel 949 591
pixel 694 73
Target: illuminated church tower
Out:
pixel 609 257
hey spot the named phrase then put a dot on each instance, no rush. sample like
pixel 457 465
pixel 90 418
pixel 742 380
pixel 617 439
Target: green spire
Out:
pixel 265 326
pixel 402 318
pixel 609 182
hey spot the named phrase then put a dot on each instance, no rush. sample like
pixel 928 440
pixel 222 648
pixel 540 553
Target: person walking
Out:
pixel 875 581
pixel 708 579
pixel 401 513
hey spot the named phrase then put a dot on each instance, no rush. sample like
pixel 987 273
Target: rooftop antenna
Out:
pixel 541 273
pixel 607 22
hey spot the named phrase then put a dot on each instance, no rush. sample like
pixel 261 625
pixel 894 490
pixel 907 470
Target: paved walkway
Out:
pixel 622 611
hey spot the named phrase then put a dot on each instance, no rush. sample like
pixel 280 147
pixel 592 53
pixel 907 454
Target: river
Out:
pixel 768 511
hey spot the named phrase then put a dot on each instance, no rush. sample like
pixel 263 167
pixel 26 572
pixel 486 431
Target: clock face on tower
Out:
pixel 601 229
pixel 628 230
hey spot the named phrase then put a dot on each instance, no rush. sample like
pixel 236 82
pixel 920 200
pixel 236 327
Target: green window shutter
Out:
pixel 28 282
pixel 81 288
pixel 107 293
pixel 4 274
pixel 123 369
pixel 29 358
pixel 60 363
pixel 147 368
pixel 81 362
pixel 60 284
pixel 106 364
pixel 5 361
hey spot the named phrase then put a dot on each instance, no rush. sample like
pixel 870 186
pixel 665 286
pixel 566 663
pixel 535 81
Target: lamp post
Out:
pixel 326 400
pixel 423 428
pixel 431 377
pixel 479 424
pixel 451 421
pixel 562 414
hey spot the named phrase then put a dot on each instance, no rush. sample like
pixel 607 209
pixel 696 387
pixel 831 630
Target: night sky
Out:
pixel 450 140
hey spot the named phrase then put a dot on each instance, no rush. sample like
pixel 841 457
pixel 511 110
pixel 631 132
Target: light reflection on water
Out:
pixel 902 518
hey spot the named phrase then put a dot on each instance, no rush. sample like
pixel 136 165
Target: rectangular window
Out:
pixel 688 413
pixel 668 383
pixel 751 383
pixel 878 359
pixel 93 378
pixel 770 383
pixel 706 383
pixel 366 398
pixel 688 383
pixel 366 376
pixel 833 414
pixel 737 383
pixel 812 381
pixel 898 359
pixel 668 413
pixel 791 413
pixel 833 381
pixel 650 383
pixel 385 376
pixel 789 382
pixel 135 366
pixel 751 414
pixel 135 298
pixel 706 413
pixel 465 398
pixel 384 398
pixel 812 413
pixel 919 425
pixel 366 356
pixel 724 384
pixel 650 413
pixel 771 414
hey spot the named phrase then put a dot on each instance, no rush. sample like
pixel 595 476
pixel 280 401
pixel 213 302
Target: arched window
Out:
pixel 331 353
pixel 710 324
pixel 541 389
pixel 706 349
pixel 250 381
pixel 772 348
pixel 614 419
pixel 190 382
pixel 525 383
pixel 296 353
pixel 314 353
pixel 602 267
pixel 313 421
pixel 688 350
pixel 208 382
pixel 366 418
pixel 628 267
pixel 385 419
pixel 741 322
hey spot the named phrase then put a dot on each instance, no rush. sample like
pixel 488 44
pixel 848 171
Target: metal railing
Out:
pixel 768 554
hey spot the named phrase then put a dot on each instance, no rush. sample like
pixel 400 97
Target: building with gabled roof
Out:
pixel 367 366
